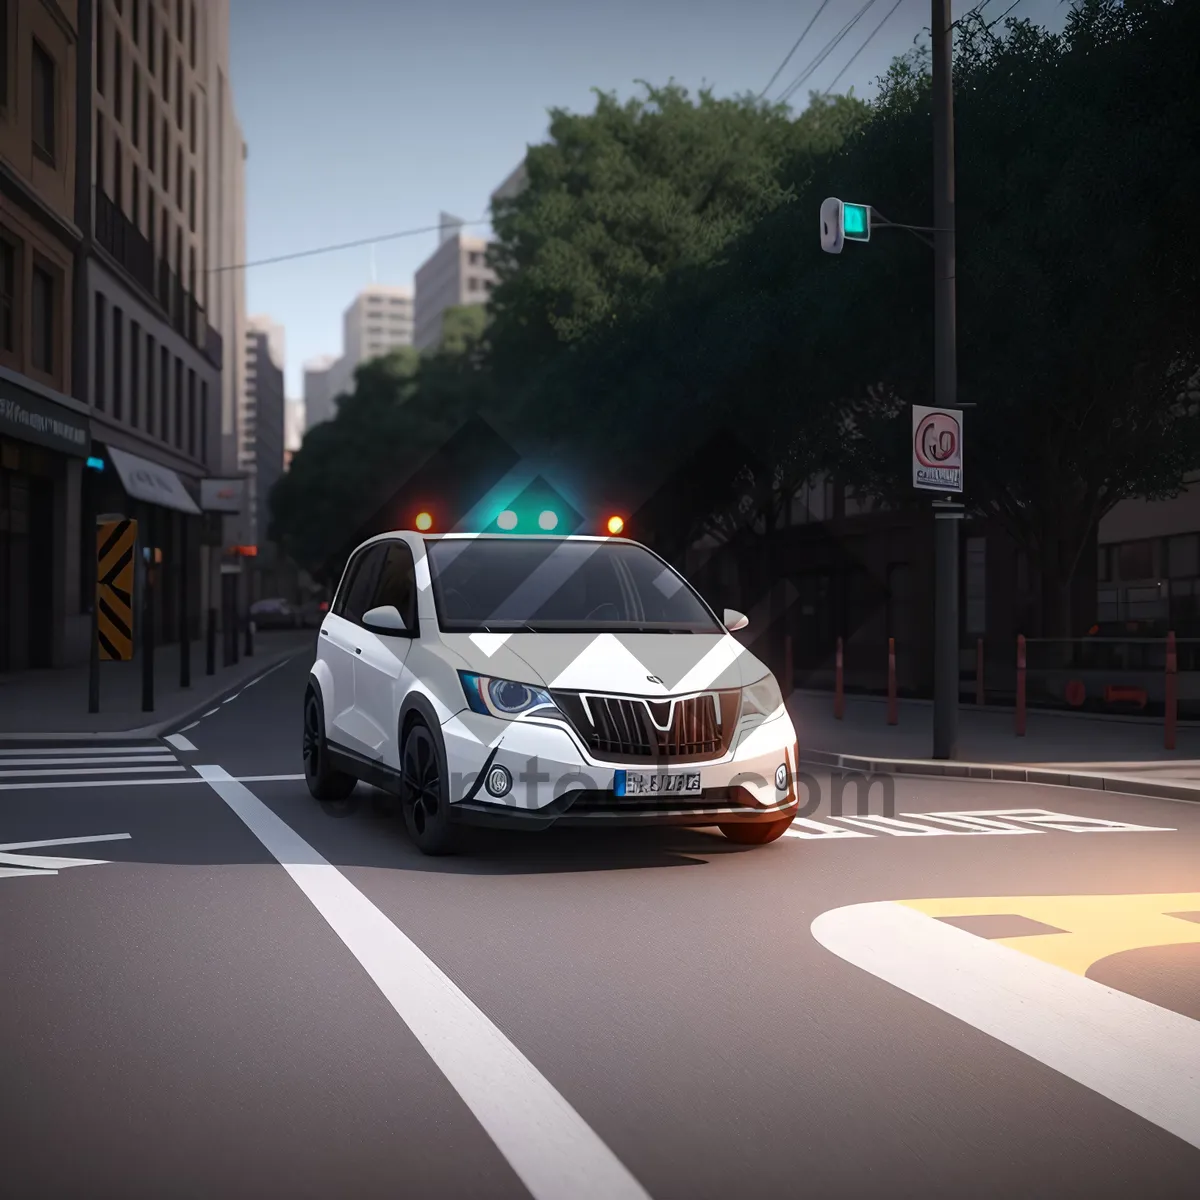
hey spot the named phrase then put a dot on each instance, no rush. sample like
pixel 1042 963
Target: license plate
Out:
pixel 655 783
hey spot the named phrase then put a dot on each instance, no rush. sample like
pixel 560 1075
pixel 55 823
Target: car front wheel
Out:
pixel 324 783
pixel 425 794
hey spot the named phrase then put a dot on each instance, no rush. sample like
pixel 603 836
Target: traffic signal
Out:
pixel 424 522
pixel 841 223
pixel 615 526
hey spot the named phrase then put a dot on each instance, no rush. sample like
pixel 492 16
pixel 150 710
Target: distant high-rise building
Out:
pixel 378 321
pixel 260 454
pixel 455 274
pixel 513 186
pixel 293 429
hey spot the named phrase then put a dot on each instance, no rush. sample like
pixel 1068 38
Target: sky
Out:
pixel 369 117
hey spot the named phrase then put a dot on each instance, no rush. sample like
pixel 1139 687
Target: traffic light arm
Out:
pixel 915 230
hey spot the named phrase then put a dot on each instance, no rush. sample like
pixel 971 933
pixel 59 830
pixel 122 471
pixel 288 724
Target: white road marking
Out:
pixel 1140 1056
pixel 60 772
pixel 99 748
pixel 973 823
pixel 268 778
pixel 26 866
pixel 900 828
pixel 191 726
pixel 179 741
pixel 79 760
pixel 1065 823
pixel 75 784
pixel 547 1144
pixel 818 829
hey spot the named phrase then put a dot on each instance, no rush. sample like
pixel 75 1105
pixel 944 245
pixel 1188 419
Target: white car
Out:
pixel 531 681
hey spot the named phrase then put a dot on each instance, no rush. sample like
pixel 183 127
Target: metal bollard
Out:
pixel 893 715
pixel 1020 707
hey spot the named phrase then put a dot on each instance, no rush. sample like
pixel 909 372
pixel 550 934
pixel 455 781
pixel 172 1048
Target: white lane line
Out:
pixel 546 1142
pixel 76 784
pixel 210 712
pixel 191 726
pixel 1132 1052
pixel 268 778
pixel 98 748
pixel 94 771
pixel 79 760
pixel 179 741
pixel 71 841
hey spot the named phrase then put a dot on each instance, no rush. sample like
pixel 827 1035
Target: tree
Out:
pixel 618 199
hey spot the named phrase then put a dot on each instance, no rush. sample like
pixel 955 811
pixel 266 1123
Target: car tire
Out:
pixel 324 782
pixel 757 833
pixel 425 793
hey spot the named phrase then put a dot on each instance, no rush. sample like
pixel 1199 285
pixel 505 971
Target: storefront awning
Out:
pixel 151 482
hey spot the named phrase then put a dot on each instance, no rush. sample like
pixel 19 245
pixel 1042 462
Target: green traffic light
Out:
pixel 856 222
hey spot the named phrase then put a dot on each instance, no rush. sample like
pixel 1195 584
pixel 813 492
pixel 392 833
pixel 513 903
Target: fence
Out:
pixel 1148 676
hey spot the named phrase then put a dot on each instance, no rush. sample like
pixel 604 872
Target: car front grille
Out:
pixel 641 729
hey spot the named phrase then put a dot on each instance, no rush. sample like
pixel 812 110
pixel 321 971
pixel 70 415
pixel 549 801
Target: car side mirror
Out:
pixel 385 619
pixel 735 620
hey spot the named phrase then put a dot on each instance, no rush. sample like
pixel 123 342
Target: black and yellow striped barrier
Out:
pixel 116 542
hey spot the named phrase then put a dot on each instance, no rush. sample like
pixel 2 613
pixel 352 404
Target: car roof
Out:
pixel 412 535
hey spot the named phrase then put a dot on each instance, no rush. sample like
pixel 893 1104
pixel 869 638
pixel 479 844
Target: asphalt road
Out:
pixel 573 1014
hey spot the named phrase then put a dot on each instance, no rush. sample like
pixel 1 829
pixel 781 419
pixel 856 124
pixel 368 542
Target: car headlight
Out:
pixel 763 699
pixel 506 698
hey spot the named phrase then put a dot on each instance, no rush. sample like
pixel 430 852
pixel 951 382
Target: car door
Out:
pixel 379 674
pixel 341 642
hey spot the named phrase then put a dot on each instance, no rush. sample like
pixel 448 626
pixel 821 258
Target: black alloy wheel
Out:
pixel 324 783
pixel 424 797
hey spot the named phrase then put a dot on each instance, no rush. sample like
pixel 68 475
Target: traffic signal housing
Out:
pixel 842 223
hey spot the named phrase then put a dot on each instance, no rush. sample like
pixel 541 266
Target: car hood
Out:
pixel 606 662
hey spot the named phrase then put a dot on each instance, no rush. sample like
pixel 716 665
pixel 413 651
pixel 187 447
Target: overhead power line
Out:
pixel 870 38
pixel 830 47
pixel 385 237
pixel 792 51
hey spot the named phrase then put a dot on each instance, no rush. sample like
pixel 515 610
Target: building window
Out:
pixel 136 21
pixel 151 127
pixel 203 419
pixel 101 158
pixel 9 270
pixel 179 18
pixel 45 131
pixel 192 273
pixel 118 91
pixel 192 40
pixel 118 174
pixel 192 415
pixel 1136 560
pixel 1183 556
pixel 179 94
pixel 135 374
pixel 166 66
pixel 150 39
pixel 100 363
pixel 118 346
pixel 135 205
pixel 179 404
pixel 150 406
pixel 179 176
pixel 164 384
pixel 192 122
pixel 135 98
pixel 166 158
pixel 192 199
pixel 472 284
pixel 101 41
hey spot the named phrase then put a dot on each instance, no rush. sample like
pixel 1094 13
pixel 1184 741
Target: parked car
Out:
pixel 530 681
pixel 276 613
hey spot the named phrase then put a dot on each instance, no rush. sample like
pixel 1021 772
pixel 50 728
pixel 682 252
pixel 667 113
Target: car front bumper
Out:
pixel 556 782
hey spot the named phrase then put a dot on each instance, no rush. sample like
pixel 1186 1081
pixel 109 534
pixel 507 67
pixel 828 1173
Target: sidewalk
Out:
pixel 53 704
pixel 1121 754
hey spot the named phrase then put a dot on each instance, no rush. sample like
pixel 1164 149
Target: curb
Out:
pixel 155 731
pixel 1120 784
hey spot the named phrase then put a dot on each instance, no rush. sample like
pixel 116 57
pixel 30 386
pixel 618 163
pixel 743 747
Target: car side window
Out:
pixel 361 585
pixel 398 583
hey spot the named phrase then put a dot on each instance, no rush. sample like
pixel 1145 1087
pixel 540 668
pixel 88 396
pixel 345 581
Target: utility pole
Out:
pixel 947 513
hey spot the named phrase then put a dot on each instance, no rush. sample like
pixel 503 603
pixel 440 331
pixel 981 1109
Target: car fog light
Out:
pixel 499 782
pixel 781 777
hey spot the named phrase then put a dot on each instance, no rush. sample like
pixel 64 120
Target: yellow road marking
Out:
pixel 1095 926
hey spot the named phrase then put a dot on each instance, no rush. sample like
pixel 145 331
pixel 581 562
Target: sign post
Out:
pixel 937 463
pixel 116 540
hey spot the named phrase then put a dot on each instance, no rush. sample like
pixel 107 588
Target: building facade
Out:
pixel 262 427
pixel 154 361
pixel 455 274
pixel 318 402
pixel 44 431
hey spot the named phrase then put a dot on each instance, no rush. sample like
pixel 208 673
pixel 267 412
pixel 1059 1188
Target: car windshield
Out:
pixel 546 585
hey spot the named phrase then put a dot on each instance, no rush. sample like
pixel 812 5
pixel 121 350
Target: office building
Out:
pixel 457 273
pixel 378 321
pixel 44 431
pixel 260 456
pixel 154 360
pixel 293 429
pixel 513 186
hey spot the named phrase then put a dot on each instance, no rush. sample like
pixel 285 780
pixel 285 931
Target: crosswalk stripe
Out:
pixel 144 749
pixel 60 772
pixel 81 761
